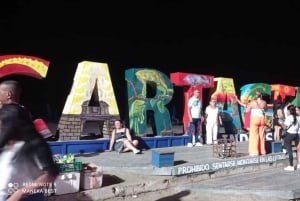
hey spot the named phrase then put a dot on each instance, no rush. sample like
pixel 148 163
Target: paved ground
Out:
pixel 127 176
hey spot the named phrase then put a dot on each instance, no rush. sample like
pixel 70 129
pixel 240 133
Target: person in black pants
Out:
pixel 292 126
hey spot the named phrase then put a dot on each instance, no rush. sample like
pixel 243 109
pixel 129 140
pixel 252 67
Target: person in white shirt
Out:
pixel 213 120
pixel 194 112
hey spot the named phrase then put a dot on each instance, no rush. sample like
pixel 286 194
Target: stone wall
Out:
pixel 70 126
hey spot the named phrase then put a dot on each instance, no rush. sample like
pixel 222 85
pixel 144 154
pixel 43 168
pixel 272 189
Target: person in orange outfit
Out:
pixel 257 133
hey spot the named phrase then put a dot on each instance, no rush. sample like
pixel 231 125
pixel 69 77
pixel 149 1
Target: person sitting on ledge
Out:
pixel 121 140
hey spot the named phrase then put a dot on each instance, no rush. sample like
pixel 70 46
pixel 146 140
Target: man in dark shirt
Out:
pixel 33 167
pixel 10 92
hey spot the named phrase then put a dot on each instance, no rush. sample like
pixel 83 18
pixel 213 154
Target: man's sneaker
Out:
pixel 298 167
pixel 189 144
pixel 198 144
pixel 289 168
pixel 284 151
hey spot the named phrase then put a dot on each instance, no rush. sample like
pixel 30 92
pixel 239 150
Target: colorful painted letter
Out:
pixel 23 65
pixel 91 78
pixel 191 82
pixel 139 82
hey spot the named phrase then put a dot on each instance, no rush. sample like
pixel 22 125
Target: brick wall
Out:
pixel 70 127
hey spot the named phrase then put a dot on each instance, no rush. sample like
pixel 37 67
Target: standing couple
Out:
pixel 211 119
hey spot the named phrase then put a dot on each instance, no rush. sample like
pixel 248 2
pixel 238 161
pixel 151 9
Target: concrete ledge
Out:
pixel 100 145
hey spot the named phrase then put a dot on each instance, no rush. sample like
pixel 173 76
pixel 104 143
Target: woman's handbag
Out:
pixel 283 133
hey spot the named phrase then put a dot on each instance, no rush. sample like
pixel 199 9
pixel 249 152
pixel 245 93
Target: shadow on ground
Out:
pixel 241 154
pixel 179 162
pixel 175 197
pixel 87 154
pixel 109 179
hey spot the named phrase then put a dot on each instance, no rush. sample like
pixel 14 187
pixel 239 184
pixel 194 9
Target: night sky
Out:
pixel 251 42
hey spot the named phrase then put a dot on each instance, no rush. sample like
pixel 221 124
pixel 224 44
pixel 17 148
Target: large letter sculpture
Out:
pixel 296 101
pixel 138 81
pixel 248 93
pixel 192 82
pixel 228 106
pixel 281 90
pixel 91 98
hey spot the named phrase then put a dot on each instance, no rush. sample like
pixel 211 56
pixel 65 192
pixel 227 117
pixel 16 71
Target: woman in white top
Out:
pixel 292 126
pixel 212 119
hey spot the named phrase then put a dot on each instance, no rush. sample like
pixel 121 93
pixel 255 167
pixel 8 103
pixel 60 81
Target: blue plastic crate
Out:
pixel 276 147
pixel 162 158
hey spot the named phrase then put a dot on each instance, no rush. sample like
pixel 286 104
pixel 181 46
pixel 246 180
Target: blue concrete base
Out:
pixel 91 146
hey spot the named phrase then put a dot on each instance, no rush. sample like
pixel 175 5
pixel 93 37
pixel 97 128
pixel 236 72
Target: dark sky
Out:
pixel 250 41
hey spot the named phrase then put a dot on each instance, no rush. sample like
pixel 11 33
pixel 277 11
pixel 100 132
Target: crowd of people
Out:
pixel 286 117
